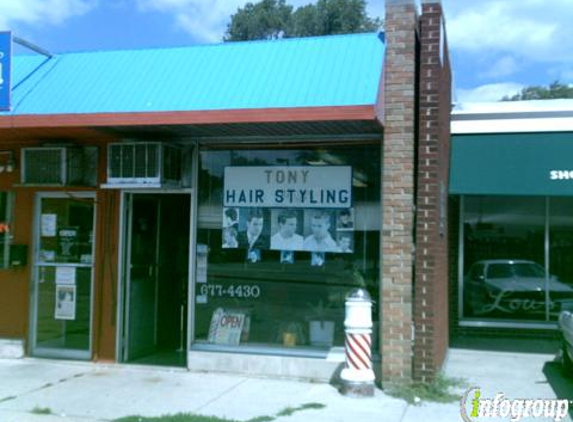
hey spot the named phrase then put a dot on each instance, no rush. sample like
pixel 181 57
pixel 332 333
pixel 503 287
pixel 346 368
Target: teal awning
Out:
pixel 512 164
pixel 328 71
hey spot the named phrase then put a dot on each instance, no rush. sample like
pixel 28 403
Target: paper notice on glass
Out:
pixel 49 225
pixel 202 263
pixel 66 275
pixel 65 302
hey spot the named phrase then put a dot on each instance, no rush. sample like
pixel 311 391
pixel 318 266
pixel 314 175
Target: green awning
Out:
pixel 512 164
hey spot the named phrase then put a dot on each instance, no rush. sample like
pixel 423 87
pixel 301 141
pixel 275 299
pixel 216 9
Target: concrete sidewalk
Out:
pixel 97 392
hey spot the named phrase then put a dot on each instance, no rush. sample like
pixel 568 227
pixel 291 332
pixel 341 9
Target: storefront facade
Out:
pixel 511 181
pixel 160 209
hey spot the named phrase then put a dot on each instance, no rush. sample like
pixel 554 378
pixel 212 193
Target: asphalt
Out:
pixel 87 392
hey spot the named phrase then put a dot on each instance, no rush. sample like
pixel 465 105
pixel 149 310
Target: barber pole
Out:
pixel 358 351
pixel 358 376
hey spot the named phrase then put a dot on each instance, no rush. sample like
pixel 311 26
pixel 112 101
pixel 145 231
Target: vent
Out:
pixel 63 166
pixel 143 164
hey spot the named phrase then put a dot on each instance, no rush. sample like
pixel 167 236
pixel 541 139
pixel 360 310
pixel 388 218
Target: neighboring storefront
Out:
pixel 511 177
pixel 211 207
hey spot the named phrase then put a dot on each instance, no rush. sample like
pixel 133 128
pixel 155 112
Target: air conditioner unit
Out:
pixel 62 166
pixel 143 164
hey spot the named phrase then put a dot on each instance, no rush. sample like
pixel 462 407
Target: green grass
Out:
pixel 7 398
pixel 188 417
pixel 290 410
pixel 262 419
pixel 41 411
pixel 436 391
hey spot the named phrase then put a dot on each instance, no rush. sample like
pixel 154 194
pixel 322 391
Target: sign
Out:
pixel 65 302
pixel 227 327
pixel 49 224
pixel 288 187
pixel 5 69
pixel 66 275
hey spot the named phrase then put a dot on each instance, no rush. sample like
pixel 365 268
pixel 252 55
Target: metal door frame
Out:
pixel 33 350
pixel 125 211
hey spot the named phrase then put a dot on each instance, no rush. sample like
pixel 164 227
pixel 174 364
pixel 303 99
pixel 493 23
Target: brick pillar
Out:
pixel 431 279
pixel 398 191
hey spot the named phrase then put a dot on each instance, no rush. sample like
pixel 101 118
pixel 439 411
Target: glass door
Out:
pixel 63 275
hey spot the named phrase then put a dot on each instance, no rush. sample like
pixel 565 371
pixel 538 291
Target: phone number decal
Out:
pixel 240 290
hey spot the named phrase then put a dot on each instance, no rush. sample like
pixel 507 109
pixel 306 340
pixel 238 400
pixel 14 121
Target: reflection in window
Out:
pixel 504 258
pixel 560 255
pixel 5 227
pixel 279 277
pixel 504 261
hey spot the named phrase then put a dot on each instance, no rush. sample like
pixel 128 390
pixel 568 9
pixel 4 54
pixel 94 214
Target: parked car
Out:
pixel 513 287
pixel 566 327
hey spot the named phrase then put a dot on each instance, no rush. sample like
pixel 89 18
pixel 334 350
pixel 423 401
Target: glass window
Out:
pixel 504 258
pixel 560 252
pixel 278 276
pixel 63 276
pixel 5 227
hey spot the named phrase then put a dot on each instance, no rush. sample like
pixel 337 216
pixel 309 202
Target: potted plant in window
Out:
pixel 320 325
pixel 291 334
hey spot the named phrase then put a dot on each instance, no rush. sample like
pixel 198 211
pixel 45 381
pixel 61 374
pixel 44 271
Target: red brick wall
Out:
pixel 398 187
pixel 431 275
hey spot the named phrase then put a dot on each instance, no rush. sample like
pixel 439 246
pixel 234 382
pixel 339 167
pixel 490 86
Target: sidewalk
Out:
pixel 85 392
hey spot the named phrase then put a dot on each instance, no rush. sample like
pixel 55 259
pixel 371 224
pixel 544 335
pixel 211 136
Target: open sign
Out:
pixel 226 327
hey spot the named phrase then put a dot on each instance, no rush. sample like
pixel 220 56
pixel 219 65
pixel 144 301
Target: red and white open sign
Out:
pixel 226 327
pixel 232 320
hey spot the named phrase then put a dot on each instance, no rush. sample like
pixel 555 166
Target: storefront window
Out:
pixel 515 258
pixel 284 235
pixel 560 253
pixel 504 258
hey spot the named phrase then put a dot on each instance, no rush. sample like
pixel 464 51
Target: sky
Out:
pixel 497 47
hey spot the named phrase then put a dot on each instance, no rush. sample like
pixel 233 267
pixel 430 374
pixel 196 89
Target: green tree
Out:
pixel 269 19
pixel 266 19
pixel 553 91
pixel 336 17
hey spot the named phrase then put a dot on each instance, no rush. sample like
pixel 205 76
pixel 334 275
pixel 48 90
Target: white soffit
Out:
pixel 513 116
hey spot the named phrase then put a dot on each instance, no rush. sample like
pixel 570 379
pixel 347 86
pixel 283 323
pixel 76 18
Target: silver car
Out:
pixel 513 287
pixel 566 327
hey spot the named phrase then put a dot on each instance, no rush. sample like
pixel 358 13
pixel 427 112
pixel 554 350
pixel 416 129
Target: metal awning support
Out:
pixel 31 46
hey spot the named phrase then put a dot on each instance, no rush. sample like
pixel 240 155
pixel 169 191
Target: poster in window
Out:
pixel 286 229
pixel 317 259
pixel 49 224
pixel 345 241
pixel 254 229
pixel 319 231
pixel 68 241
pixel 345 219
pixel 65 302
pixel 230 228
pixel 66 275
pixel 202 251
pixel 287 257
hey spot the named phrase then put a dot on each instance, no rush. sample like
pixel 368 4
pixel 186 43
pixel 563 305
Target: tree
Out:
pixel 266 19
pixel 553 91
pixel 336 17
pixel 270 19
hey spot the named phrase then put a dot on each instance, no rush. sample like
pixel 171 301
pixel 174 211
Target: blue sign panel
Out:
pixel 5 69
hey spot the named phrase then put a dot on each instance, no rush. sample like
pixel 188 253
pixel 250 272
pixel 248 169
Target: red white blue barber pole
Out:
pixel 357 375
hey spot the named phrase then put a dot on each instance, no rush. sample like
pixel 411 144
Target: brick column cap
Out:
pixel 432 2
